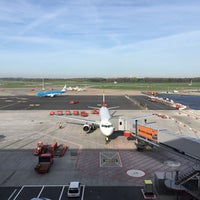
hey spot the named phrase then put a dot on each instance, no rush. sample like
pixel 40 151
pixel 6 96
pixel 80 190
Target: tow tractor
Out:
pixel 54 149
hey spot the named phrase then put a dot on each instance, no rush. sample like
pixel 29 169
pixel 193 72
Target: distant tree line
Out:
pixel 119 79
pixel 145 80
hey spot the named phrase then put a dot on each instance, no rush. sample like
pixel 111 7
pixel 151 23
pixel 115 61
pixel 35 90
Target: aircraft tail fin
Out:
pixel 104 101
pixel 104 104
pixel 64 88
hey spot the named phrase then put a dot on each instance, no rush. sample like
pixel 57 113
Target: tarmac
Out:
pixel 88 158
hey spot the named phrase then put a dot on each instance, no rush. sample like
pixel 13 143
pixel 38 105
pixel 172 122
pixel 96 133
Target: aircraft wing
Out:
pixel 84 121
pixel 109 108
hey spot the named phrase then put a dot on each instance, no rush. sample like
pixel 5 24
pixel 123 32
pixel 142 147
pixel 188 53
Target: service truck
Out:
pixel 45 161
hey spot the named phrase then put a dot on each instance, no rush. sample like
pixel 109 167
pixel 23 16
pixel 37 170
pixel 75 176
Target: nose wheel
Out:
pixel 107 140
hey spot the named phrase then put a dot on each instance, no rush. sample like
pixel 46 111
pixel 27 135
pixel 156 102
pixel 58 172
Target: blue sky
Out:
pixel 99 38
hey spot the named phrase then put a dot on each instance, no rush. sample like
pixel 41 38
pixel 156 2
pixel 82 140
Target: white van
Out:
pixel 74 189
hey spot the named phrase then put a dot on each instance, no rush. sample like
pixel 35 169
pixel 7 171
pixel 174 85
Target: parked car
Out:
pixel 74 189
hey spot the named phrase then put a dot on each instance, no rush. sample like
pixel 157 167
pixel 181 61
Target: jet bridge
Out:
pixel 147 135
pixel 184 145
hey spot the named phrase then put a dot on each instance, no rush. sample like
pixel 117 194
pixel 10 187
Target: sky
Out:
pixel 99 38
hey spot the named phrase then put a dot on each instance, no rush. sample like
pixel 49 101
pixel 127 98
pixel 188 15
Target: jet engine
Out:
pixel 88 128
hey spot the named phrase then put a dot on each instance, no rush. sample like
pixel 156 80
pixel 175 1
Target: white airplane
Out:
pixel 105 125
pixel 76 89
pixel 51 93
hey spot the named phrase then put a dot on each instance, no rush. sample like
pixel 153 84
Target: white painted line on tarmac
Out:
pixel 18 193
pixel 12 194
pixel 41 191
pixel 61 193
pixel 82 197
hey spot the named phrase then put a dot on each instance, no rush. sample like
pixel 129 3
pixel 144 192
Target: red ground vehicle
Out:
pixel 52 113
pixel 54 149
pixel 153 100
pixel 44 163
pixel 68 112
pixel 84 114
pixel 40 149
pixel 59 112
pixel 95 111
pixel 57 150
pixel 75 112
pixel 73 102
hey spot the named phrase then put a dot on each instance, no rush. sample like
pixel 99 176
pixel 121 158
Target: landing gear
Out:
pixel 107 140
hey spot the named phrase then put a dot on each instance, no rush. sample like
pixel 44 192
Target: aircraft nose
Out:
pixel 110 131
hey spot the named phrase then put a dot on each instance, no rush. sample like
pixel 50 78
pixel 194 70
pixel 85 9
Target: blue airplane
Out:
pixel 52 93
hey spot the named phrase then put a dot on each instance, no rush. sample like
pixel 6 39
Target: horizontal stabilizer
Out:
pixel 110 108
pixel 94 107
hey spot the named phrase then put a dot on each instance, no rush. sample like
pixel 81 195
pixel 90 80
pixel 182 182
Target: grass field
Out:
pixel 59 83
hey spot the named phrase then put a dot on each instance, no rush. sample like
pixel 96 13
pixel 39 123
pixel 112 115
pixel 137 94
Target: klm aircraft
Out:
pixel 52 93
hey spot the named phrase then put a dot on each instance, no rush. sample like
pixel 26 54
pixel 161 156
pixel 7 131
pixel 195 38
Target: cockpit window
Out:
pixel 107 126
